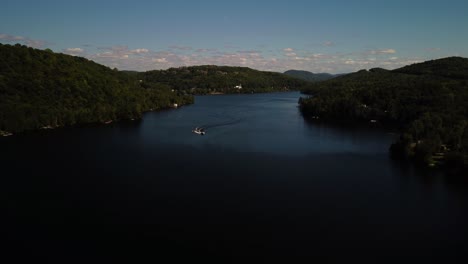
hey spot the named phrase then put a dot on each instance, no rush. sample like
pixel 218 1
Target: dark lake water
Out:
pixel 261 185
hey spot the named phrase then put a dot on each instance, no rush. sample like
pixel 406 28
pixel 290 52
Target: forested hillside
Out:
pixel 426 101
pixel 43 89
pixel 309 76
pixel 223 79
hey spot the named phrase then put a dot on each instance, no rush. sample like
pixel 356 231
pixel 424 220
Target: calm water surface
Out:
pixel 261 185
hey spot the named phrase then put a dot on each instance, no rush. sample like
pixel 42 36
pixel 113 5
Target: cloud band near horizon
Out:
pixel 278 60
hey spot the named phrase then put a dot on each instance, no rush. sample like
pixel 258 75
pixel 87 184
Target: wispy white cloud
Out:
pixel 160 60
pixel 206 50
pixel 138 51
pixel 382 51
pixel 115 52
pixel 11 38
pixel 119 52
pixel 124 58
pixel 109 54
pixel 74 51
pixel 321 56
pixel 249 51
pixel 142 59
pixel 35 43
pixel 388 51
pixel 178 47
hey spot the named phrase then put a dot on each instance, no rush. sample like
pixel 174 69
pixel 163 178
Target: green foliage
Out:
pixel 222 79
pixel 45 89
pixel 427 101
pixel 452 67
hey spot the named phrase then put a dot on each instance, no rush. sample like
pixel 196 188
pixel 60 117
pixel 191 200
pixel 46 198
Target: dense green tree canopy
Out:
pixel 222 79
pixel 426 101
pixel 45 89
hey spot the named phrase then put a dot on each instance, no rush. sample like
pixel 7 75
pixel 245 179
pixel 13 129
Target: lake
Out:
pixel 263 184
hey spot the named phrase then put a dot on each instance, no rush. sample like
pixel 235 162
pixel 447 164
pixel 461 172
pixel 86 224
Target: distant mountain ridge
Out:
pixel 208 79
pixel 310 76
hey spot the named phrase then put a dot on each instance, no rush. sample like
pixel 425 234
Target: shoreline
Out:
pixel 107 122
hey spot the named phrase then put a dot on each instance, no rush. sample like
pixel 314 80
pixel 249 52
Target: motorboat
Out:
pixel 199 131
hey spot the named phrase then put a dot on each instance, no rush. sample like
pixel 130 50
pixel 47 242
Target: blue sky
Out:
pixel 319 36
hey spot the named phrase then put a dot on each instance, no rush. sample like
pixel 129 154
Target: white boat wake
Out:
pixel 227 121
